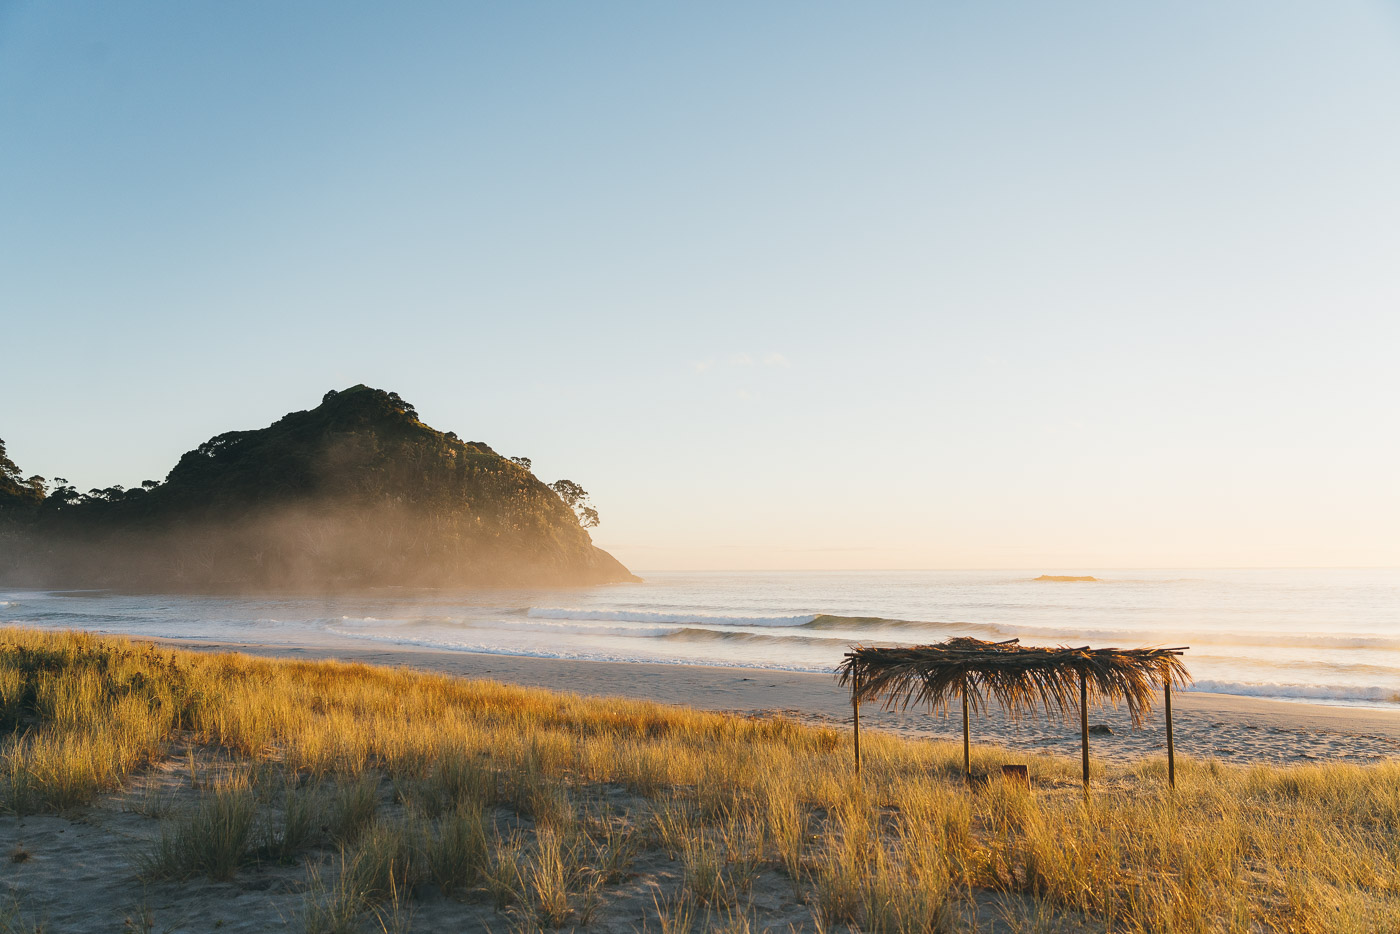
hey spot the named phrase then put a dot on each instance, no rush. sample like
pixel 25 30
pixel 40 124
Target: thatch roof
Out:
pixel 1020 678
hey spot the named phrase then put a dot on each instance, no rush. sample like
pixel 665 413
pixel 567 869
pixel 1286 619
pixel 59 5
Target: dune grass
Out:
pixel 541 804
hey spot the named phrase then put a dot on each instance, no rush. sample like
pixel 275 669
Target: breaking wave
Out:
pixel 1370 694
pixel 861 626
pixel 1285 640
pixel 629 616
pixel 689 634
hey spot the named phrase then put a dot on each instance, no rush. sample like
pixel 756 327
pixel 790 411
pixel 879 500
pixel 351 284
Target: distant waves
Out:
pixel 633 616
pixel 1306 635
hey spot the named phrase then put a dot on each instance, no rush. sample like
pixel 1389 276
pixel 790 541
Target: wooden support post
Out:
pixel 855 720
pixel 967 741
pixel 1171 747
pixel 1084 723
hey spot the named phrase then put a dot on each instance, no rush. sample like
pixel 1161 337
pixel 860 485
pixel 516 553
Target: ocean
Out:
pixel 1330 636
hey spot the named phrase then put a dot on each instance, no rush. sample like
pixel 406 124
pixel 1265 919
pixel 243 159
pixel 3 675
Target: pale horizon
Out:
pixel 1037 569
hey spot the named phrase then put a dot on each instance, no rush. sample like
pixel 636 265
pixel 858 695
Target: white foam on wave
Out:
pixel 1292 665
pixel 486 648
pixel 358 622
pixel 545 626
pixel 1033 634
pixel 415 620
pixel 568 627
pixel 740 636
pixel 637 616
pixel 1373 694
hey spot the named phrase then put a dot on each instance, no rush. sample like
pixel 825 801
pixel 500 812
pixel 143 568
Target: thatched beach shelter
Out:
pixel 1019 678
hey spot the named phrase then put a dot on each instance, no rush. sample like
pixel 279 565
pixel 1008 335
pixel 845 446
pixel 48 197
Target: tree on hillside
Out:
pixel 406 407
pixel 16 493
pixel 576 498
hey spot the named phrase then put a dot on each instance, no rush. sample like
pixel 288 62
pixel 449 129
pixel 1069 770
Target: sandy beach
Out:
pixel 1228 727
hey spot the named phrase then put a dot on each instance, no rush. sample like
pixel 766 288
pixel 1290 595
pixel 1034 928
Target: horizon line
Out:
pixel 1231 567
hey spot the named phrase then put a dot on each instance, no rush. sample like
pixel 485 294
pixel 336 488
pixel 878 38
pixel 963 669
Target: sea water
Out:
pixel 1330 636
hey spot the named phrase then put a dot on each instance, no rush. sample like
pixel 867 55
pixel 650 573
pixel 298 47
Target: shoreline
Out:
pixel 1231 728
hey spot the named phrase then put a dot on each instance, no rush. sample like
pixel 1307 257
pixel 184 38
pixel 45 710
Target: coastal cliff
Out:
pixel 354 493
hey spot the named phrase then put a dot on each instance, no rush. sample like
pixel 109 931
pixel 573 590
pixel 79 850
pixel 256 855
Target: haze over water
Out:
pixel 1324 635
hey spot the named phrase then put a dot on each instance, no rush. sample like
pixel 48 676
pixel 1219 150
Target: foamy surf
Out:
pixel 635 616
pixel 1324 636
pixel 1063 635
pixel 1362 694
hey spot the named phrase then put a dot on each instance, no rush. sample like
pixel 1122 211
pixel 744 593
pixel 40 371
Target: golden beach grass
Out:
pixel 538 802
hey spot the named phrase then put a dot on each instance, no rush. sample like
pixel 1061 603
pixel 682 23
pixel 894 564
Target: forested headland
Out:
pixel 354 493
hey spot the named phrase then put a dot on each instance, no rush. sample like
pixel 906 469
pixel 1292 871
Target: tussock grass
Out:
pixel 541 804
pixel 457 851
pixel 213 840
pixel 331 907
pixel 618 843
pixel 382 864
pixel 287 833
pixel 354 805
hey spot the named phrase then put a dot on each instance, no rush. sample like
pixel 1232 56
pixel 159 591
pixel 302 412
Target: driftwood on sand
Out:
pixel 1019 679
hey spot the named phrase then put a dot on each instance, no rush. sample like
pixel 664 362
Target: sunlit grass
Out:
pixel 495 793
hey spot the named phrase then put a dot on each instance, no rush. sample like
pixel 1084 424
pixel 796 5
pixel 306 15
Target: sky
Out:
pixel 783 285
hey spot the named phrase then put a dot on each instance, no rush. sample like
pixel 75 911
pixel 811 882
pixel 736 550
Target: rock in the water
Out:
pixel 1101 729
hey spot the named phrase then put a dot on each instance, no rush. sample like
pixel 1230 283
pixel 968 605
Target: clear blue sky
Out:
pixel 782 284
